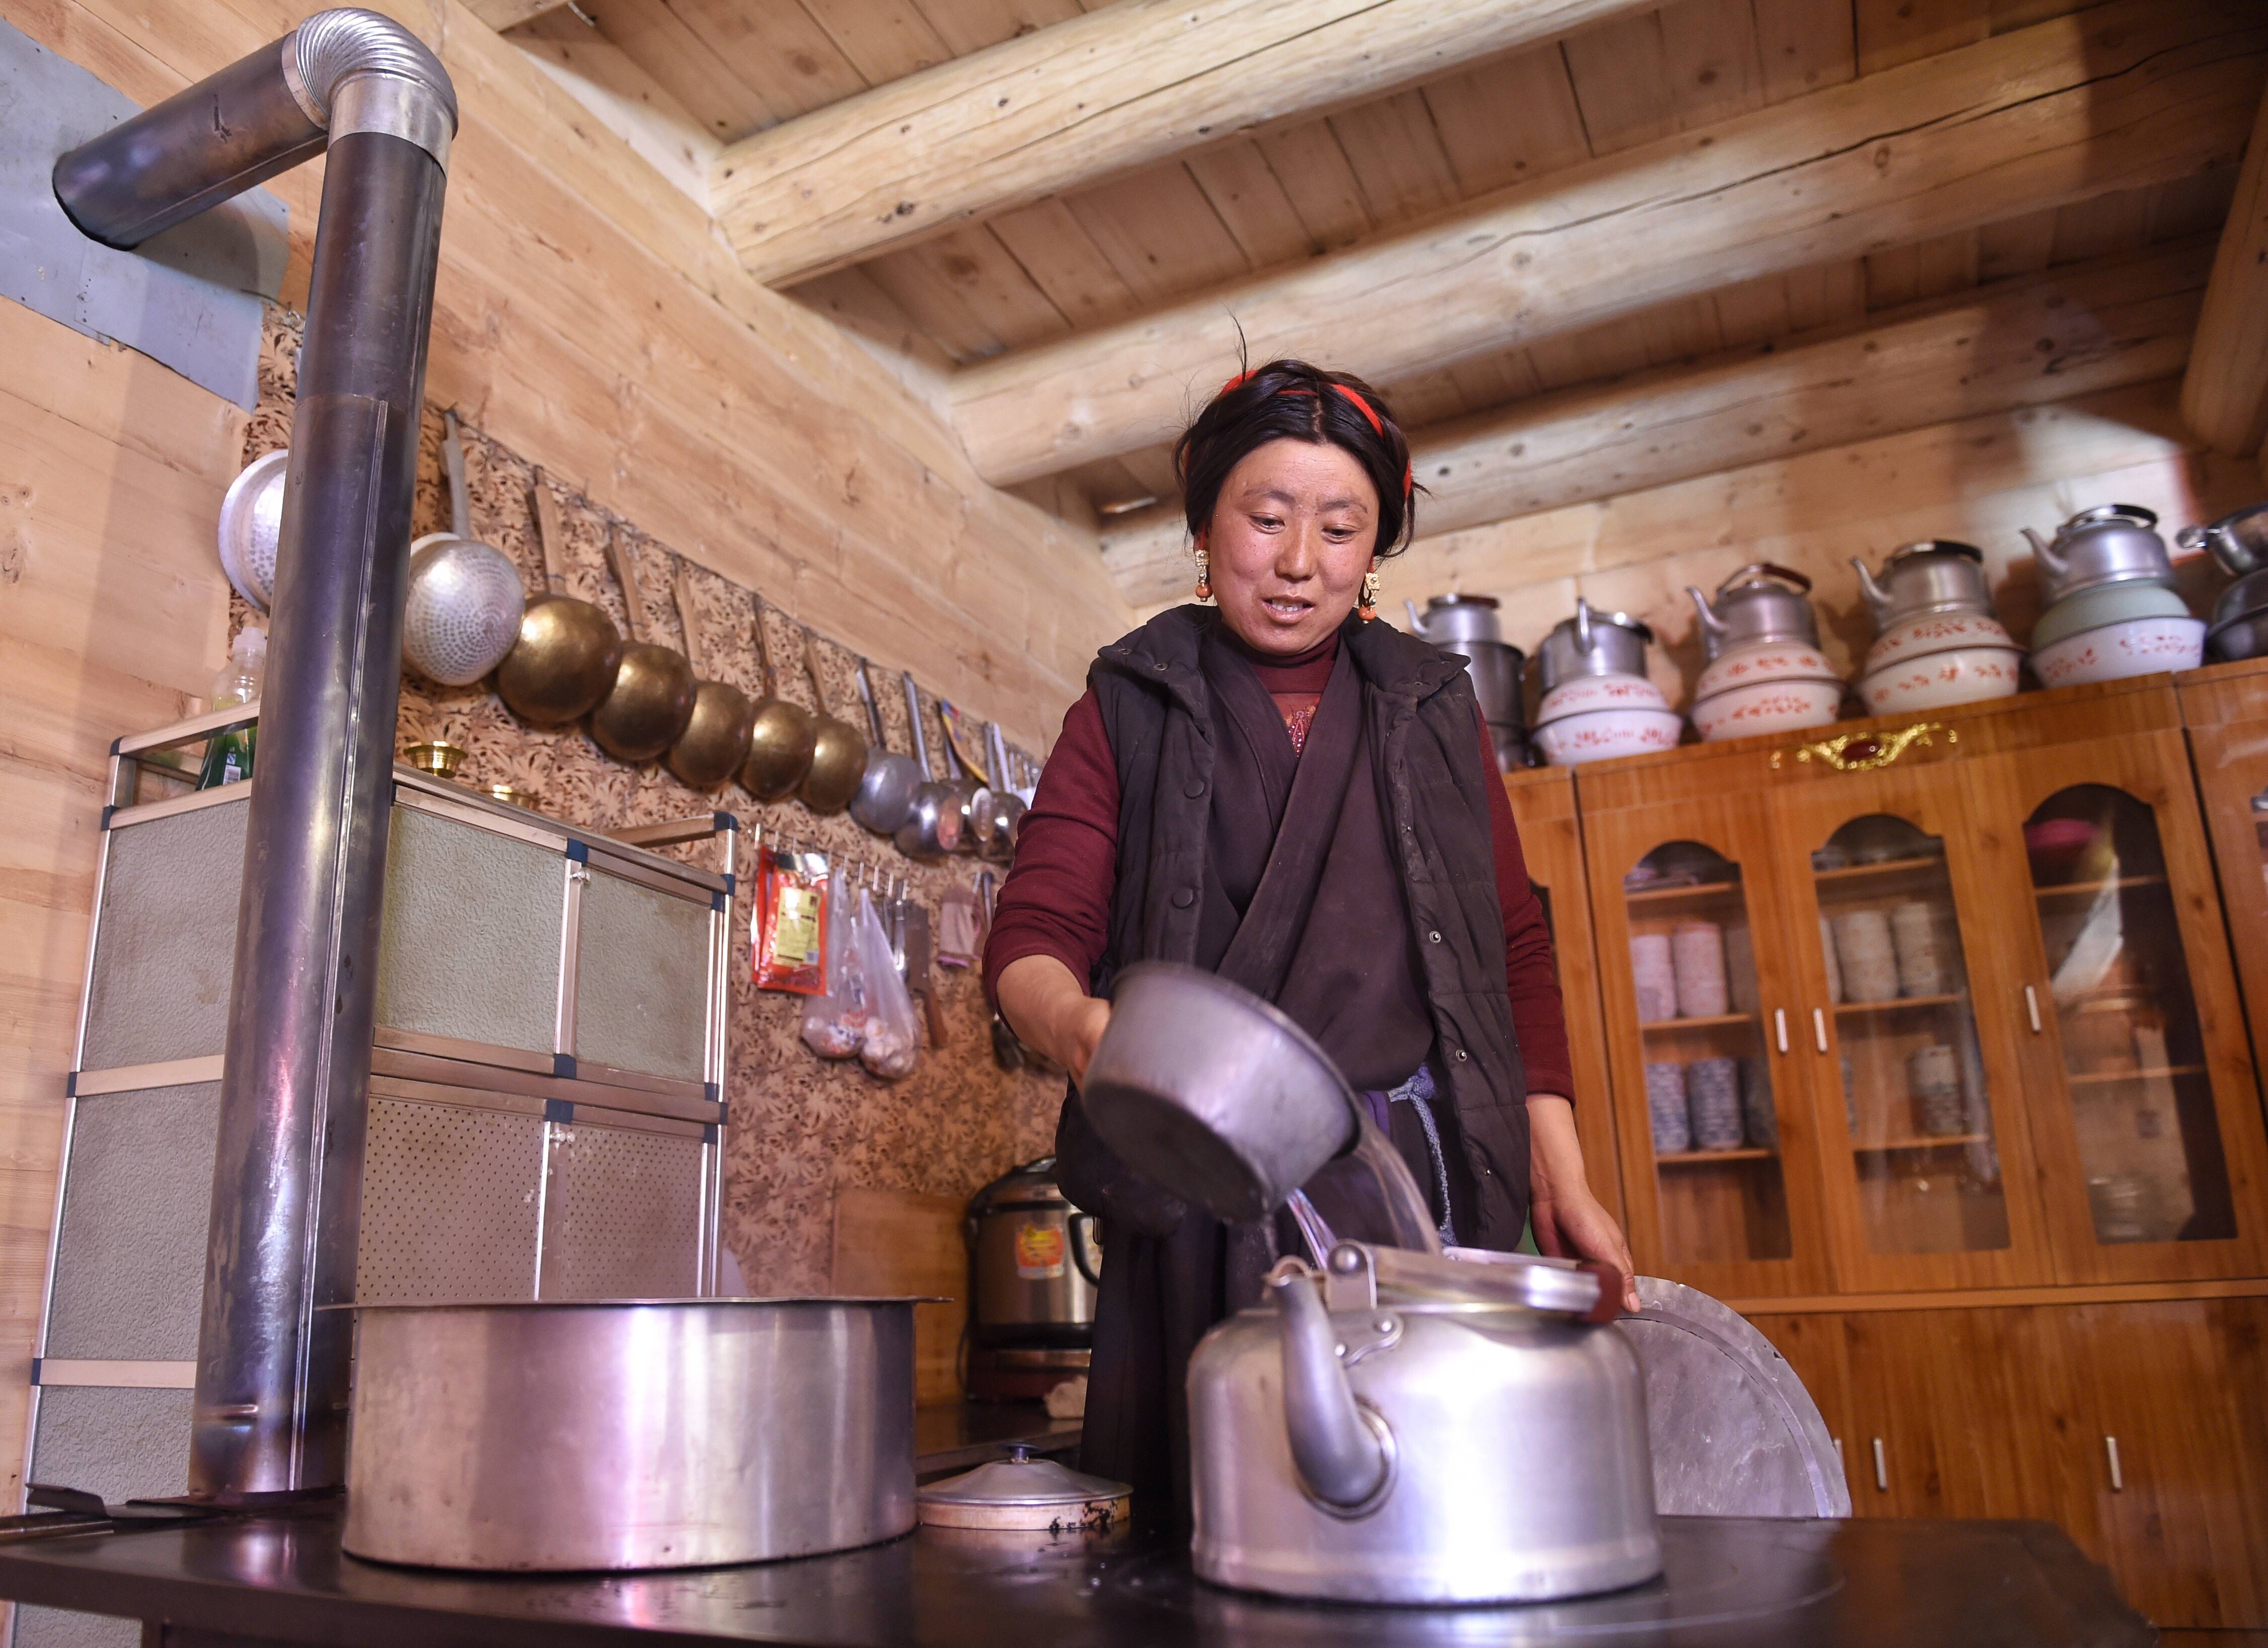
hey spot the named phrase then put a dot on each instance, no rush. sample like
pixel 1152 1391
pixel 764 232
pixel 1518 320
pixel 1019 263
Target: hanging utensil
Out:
pixel 1007 1052
pixel 884 799
pixel 564 660
pixel 652 697
pixel 1006 814
pixel 838 755
pixel 784 735
pixel 933 828
pixel 919 949
pixel 465 600
pixel 964 791
pixel 714 741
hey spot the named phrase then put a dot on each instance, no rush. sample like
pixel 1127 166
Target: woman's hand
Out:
pixel 1569 1221
pixel 1048 1010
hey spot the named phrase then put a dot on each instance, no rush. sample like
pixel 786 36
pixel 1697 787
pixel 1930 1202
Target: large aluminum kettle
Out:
pixel 1760 604
pixel 1593 643
pixel 1934 575
pixel 1467 626
pixel 1407 1428
pixel 2108 544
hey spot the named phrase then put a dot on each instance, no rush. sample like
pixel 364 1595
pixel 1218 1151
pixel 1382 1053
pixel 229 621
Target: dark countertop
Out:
pixel 1731 1583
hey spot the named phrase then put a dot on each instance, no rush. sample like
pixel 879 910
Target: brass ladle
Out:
pixel 838 755
pixel 566 659
pixel 652 699
pixel 782 737
pixel 714 741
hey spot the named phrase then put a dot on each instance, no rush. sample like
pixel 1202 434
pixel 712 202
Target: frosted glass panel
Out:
pixel 471 941
pixel 168 938
pixel 642 991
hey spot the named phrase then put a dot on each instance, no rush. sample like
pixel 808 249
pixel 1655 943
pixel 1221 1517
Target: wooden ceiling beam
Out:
pixel 503 14
pixel 1078 101
pixel 2225 393
pixel 2092 327
pixel 2131 93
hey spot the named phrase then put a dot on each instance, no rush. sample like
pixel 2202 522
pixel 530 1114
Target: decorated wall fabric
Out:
pixel 798 1127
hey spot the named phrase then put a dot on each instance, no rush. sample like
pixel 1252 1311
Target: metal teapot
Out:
pixel 1934 575
pixel 1755 606
pixel 2108 544
pixel 1593 643
pixel 1378 1431
pixel 2238 542
pixel 1467 626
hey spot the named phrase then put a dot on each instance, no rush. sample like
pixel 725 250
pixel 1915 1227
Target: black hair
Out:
pixel 1290 400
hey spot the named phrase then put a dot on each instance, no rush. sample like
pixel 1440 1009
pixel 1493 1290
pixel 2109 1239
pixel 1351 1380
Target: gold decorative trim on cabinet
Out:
pixel 1864 752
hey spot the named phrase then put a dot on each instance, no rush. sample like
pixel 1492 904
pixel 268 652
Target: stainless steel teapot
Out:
pixel 1406 1427
pixel 1467 626
pixel 1451 621
pixel 1934 575
pixel 2238 542
pixel 2108 544
pixel 1760 604
pixel 1593 643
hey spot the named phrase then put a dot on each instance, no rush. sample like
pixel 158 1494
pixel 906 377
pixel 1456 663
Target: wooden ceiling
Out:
pixel 690 76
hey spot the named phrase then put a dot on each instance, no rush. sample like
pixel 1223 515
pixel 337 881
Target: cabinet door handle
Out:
pixel 1882 1469
pixel 1819 1028
pixel 2118 1477
pixel 2032 1008
pixel 1779 1025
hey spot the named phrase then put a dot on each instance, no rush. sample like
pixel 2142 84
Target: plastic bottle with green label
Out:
pixel 228 753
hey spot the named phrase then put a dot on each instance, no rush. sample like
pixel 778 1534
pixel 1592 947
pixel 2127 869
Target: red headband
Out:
pixel 1377 423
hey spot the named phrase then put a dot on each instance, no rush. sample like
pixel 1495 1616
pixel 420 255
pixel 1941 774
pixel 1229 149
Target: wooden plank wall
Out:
pixel 1977 480
pixel 586 317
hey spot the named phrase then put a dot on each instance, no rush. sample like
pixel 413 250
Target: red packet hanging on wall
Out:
pixel 789 926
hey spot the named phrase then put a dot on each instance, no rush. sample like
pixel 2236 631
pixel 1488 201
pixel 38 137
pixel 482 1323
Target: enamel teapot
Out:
pixel 1409 1428
pixel 1935 575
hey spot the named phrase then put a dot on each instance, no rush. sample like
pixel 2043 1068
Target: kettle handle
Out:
pixel 1342 1460
pixel 1774 569
pixel 1080 1223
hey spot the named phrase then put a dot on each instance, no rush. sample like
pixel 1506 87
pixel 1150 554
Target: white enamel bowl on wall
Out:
pixel 1935 681
pixel 1780 706
pixel 2138 646
pixel 1602 735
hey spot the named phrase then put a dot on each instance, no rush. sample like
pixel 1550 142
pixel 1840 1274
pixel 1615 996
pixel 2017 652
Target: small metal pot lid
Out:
pixel 1023 1492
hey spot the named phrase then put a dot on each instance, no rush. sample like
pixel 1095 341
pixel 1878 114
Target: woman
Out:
pixel 1306 801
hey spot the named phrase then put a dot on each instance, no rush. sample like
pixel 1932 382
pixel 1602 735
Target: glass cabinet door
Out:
pixel 1716 1173
pixel 2143 1106
pixel 1907 1083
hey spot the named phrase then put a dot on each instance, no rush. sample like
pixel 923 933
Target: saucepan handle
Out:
pixel 1083 1226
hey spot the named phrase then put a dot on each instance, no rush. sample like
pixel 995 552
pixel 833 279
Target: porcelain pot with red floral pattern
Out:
pixel 1955 630
pixel 1586 693
pixel 1934 681
pixel 1601 735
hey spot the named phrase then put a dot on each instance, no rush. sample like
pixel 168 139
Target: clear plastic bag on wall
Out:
pixel 894 1024
pixel 835 1020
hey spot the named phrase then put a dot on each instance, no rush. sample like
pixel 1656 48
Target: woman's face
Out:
pixel 1291 538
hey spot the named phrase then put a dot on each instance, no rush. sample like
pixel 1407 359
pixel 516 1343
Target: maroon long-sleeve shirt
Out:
pixel 1056 899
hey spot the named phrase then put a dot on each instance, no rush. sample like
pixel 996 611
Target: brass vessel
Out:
pixel 714 741
pixel 564 661
pixel 838 754
pixel 782 736
pixel 652 699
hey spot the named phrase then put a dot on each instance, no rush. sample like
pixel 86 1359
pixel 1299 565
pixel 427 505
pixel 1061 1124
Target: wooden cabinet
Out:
pixel 1552 841
pixel 1736 1212
pixel 2000 1184
pixel 1977 997
pixel 2021 1411
pixel 2143 1106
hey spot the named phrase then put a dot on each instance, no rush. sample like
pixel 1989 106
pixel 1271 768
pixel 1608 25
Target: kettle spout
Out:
pixel 1416 624
pixel 2043 552
pixel 1710 621
pixel 1341 1459
pixel 1878 599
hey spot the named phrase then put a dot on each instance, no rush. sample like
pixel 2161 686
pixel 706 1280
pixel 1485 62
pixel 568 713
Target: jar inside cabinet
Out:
pixel 1719 1181
pixel 1913 1081
pixel 2134 1058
